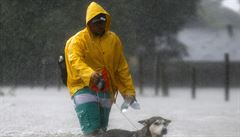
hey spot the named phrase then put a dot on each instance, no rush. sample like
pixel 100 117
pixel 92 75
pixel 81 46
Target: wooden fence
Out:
pixel 189 74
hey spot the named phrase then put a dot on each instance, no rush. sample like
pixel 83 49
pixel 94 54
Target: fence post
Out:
pixel 157 75
pixel 140 71
pixel 193 82
pixel 164 79
pixel 227 67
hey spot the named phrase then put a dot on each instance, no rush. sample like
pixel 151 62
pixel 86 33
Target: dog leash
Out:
pixel 125 116
pixel 129 121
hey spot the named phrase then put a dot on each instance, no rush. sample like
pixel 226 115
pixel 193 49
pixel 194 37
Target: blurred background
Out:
pixel 168 43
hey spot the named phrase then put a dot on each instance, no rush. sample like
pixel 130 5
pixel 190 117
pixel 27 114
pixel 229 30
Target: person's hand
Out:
pixel 95 77
pixel 128 100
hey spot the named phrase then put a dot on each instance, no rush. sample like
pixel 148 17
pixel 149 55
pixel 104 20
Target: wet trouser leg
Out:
pixel 92 110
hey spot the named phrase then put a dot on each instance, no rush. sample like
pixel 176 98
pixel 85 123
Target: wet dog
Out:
pixel 153 127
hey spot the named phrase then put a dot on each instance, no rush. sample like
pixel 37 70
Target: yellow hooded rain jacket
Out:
pixel 86 53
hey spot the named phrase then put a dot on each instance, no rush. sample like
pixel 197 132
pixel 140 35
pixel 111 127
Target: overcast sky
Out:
pixel 232 4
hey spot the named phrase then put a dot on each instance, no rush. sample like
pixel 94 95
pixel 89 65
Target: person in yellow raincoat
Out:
pixel 88 54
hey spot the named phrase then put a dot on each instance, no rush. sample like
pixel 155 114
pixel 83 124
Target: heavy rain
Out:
pixel 183 56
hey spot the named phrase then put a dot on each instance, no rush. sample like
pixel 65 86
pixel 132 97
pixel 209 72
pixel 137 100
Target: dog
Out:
pixel 153 127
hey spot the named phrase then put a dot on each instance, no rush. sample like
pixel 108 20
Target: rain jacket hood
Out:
pixel 95 9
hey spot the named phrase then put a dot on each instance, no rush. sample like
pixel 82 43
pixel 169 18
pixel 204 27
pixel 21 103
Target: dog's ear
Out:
pixel 143 122
pixel 168 121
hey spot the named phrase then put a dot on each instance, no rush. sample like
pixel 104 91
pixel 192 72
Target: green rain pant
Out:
pixel 92 110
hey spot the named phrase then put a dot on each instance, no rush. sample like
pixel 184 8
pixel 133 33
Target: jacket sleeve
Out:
pixel 123 76
pixel 79 70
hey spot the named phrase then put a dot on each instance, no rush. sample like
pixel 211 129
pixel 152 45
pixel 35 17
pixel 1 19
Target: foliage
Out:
pixel 33 33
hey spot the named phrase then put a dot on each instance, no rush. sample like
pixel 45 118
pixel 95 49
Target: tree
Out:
pixel 33 33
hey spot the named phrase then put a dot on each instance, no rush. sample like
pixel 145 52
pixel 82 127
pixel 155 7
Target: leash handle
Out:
pixel 103 83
